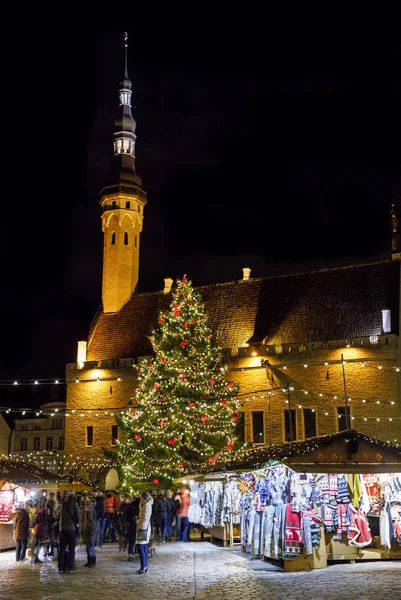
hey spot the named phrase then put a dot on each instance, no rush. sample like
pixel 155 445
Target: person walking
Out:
pixel 144 529
pixel 70 520
pixel 185 502
pixel 20 532
pixel 99 508
pixel 110 507
pixel 89 537
pixel 171 510
pixel 130 516
pixel 51 516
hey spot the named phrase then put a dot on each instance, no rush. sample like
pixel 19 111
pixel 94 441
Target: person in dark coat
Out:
pixel 162 518
pixel 130 515
pixel 20 532
pixel 171 510
pixel 89 537
pixel 70 520
pixel 99 509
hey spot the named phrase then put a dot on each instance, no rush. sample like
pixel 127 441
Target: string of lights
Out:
pixel 363 362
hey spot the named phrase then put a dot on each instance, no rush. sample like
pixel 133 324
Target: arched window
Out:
pixel 113 238
pixel 125 238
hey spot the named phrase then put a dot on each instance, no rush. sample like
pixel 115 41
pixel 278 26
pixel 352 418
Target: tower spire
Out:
pixel 123 200
pixel 125 52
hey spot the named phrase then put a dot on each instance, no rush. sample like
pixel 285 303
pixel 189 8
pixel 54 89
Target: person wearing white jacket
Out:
pixel 144 529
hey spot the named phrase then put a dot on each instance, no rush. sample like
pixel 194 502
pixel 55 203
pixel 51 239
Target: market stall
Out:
pixel 215 505
pixel 20 481
pixel 323 499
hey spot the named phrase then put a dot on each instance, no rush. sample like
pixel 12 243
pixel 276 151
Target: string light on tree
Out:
pixel 184 409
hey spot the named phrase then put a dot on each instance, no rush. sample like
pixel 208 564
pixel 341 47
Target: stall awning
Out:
pixel 343 452
pixel 23 473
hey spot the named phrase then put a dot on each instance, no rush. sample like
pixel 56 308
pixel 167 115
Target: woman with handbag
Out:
pixel 144 529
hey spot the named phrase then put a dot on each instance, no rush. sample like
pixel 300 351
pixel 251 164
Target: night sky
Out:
pixel 260 152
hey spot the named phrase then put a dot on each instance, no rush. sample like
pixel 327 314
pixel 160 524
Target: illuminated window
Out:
pixel 49 443
pixel 309 422
pixel 36 443
pixel 113 238
pixel 290 425
pixel 23 444
pixel 258 430
pixel 114 434
pixel 61 442
pixel 125 238
pixel 89 435
pixel 240 427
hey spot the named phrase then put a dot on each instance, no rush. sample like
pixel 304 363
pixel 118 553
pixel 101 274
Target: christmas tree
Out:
pixel 184 410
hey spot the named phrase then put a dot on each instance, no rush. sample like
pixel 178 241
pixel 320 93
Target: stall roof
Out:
pixel 344 452
pixel 24 473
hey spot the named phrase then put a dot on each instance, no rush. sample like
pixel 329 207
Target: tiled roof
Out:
pixel 329 304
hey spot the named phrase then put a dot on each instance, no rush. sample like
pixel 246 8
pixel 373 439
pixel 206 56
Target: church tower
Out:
pixel 122 200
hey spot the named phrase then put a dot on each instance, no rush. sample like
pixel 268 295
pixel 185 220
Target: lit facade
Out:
pixel 41 439
pixel 312 353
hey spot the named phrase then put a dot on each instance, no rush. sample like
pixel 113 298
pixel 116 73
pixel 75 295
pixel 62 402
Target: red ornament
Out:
pixel 184 280
pixel 156 481
pixel 137 436
pixel 162 320
pixel 177 312
pixel 133 413
pixel 162 422
pixel 203 418
pixel 223 402
pixel 192 302
pixel 162 359
pixel 207 337
pixel 211 382
pixel 150 365
pixel 235 419
pixel 185 325
pixel 140 387
pixel 154 444
pixel 195 367
pixel 184 343
pixel 156 386
pixel 191 404
pixel 181 465
pixel 176 304
pixel 182 375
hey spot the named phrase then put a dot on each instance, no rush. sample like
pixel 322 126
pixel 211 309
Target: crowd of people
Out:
pixel 50 528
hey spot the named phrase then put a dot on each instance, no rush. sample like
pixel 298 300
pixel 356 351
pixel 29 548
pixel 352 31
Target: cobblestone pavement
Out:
pixel 198 569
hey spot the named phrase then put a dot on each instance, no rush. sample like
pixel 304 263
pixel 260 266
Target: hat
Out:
pixel 154 493
pixel 145 495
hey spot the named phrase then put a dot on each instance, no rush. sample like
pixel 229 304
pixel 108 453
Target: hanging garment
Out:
pixel 364 502
pixel 359 534
pixel 343 492
pixel 356 491
pixel 268 518
pixel 292 533
pixel 386 526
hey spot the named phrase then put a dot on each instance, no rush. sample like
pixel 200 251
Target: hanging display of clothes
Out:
pixel 284 513
pixel 214 503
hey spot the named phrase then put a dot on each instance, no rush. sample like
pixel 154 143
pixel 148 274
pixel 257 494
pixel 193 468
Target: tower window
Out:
pixel 128 204
pixel 240 427
pixel 125 238
pixel 258 431
pixel 49 442
pixel 36 443
pixel 309 422
pixel 23 443
pixel 290 425
pixel 114 434
pixel 114 204
pixel 342 418
pixel 113 239
pixel 135 242
pixel 89 435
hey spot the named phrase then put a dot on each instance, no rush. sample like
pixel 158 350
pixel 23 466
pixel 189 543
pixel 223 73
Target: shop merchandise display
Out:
pixel 284 513
pixel 214 503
